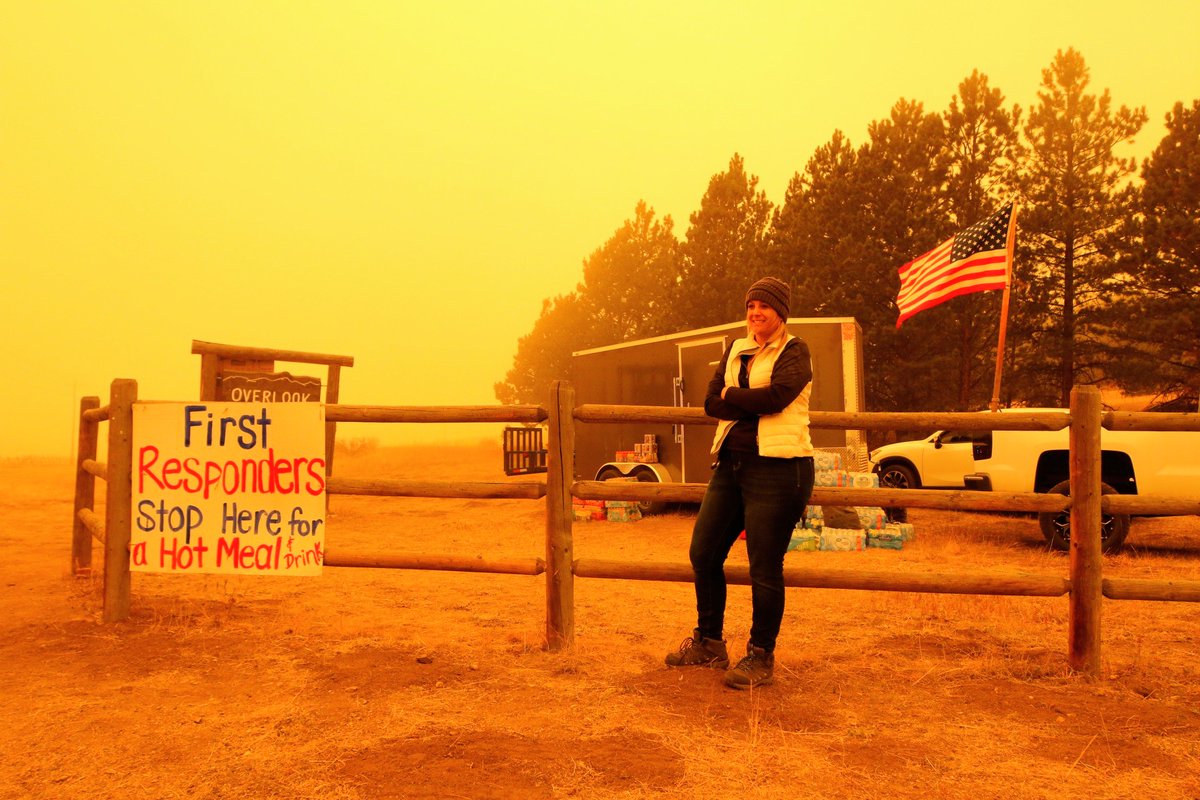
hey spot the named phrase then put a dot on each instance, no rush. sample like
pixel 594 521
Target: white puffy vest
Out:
pixel 782 435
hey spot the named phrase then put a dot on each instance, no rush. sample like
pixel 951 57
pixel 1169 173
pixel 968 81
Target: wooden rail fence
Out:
pixel 1084 582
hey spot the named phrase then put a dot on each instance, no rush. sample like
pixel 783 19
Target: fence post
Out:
pixel 560 473
pixel 118 513
pixel 333 388
pixel 85 489
pixel 210 363
pixel 1086 558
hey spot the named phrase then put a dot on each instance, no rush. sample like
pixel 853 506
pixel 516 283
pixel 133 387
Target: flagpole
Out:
pixel 1012 233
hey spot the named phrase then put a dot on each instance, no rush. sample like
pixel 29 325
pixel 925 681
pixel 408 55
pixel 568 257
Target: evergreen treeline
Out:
pixel 1106 281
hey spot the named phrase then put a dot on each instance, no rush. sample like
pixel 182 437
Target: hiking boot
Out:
pixel 755 669
pixel 697 651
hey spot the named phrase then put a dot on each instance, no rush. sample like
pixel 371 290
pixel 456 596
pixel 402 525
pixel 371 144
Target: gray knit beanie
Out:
pixel 774 293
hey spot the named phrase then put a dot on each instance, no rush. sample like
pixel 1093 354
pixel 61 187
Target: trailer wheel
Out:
pixel 1057 527
pixel 643 476
pixel 650 506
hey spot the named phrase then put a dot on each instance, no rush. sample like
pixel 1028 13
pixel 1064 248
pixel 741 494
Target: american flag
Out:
pixel 972 260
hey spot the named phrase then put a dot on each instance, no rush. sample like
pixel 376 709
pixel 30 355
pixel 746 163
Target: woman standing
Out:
pixel 762 480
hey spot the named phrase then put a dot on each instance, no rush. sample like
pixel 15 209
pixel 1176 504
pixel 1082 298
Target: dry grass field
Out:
pixel 402 684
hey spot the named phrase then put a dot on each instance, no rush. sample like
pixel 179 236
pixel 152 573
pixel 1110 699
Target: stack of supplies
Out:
pixel 643 452
pixel 622 510
pixel 846 528
pixel 825 460
pixel 871 518
pixel 814 519
pixel 830 472
pixel 842 539
pixel 585 510
pixel 804 539
pixel 831 477
pixel 906 530
pixel 886 538
pixel 863 480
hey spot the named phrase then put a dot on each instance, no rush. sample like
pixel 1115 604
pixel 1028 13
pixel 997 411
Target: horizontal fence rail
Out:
pixel 524 490
pixel 513 566
pixel 955 499
pixel 1149 421
pixel 97 469
pixel 826 578
pixel 965 421
pixel 914 498
pixel 1150 589
pixel 864 420
pixel 1148 506
pixel 269 354
pixel 92 521
pixel 341 413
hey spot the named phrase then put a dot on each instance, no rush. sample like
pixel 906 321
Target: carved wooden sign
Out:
pixel 268 387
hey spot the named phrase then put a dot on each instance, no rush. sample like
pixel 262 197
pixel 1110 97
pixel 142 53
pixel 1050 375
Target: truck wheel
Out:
pixel 1057 527
pixel 644 476
pixel 897 476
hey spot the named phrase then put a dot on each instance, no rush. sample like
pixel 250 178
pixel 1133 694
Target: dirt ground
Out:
pixel 401 684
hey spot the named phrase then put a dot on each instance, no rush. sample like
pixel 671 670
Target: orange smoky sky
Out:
pixel 405 182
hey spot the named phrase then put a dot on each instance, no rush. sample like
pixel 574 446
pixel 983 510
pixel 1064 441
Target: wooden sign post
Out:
pixel 226 369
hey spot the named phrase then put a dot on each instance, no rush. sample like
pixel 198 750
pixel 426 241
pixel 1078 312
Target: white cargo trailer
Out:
pixel 674 370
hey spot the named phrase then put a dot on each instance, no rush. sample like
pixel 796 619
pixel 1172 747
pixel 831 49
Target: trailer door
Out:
pixel 698 360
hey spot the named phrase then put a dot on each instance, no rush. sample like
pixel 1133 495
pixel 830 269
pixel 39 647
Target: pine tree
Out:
pixel 544 354
pixel 724 250
pixel 899 177
pixel 627 292
pixel 819 226
pixel 1156 319
pixel 629 282
pixel 1076 196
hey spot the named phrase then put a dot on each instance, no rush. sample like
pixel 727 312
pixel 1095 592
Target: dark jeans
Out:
pixel 766 497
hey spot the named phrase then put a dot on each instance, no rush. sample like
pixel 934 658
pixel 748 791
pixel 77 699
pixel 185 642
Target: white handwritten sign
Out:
pixel 232 488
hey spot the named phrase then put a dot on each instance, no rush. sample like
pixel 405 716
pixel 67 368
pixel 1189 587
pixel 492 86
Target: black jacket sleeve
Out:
pixel 714 406
pixel 791 373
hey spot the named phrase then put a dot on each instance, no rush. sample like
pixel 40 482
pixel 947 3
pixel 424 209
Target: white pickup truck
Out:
pixel 1156 463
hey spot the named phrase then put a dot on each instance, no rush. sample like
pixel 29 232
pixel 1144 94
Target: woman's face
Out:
pixel 761 319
